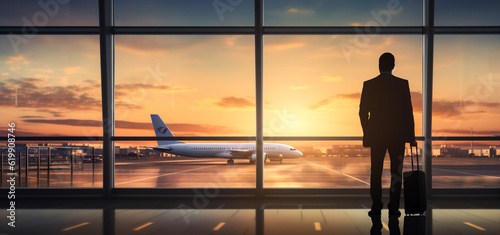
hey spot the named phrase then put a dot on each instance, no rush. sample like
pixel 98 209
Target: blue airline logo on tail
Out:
pixel 162 130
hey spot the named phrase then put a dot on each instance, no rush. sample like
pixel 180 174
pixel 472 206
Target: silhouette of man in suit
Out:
pixel 386 116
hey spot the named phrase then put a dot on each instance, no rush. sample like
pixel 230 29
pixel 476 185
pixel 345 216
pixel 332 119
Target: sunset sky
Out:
pixel 205 85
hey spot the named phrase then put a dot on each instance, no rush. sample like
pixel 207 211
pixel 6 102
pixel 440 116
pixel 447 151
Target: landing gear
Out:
pixel 230 162
pixel 281 161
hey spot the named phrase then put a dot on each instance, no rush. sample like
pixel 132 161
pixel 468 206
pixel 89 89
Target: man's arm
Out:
pixel 363 108
pixel 410 122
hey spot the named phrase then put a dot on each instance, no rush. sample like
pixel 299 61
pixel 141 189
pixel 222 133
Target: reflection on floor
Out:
pixel 332 215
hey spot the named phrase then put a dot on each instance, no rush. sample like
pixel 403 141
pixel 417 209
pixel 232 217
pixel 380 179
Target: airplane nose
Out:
pixel 300 153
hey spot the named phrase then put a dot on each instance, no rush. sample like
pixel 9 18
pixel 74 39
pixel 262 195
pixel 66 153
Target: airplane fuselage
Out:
pixel 229 150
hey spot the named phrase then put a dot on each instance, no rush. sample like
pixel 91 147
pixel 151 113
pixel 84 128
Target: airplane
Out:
pixel 231 151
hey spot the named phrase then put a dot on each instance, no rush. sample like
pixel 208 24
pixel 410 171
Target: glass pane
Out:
pixel 50 85
pixel 184 13
pixel 30 13
pixel 467 13
pixel 466 164
pixel 198 85
pixel 313 84
pixel 466 99
pixel 54 165
pixel 65 220
pixel 342 13
pixel 324 164
pixel 187 220
pixel 185 165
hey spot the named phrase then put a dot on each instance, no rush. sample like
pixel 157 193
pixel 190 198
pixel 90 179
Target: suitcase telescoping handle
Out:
pixel 416 156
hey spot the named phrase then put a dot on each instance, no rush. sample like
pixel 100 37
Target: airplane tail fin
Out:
pixel 161 130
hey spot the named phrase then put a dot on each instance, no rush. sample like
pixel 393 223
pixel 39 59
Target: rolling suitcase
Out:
pixel 414 188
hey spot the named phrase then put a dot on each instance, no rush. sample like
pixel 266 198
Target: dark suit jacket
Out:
pixel 386 112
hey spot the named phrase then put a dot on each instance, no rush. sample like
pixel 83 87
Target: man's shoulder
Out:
pixel 402 80
pixel 373 80
pixel 383 78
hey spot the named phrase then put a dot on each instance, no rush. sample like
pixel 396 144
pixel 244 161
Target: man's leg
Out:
pixel 377 163
pixel 396 152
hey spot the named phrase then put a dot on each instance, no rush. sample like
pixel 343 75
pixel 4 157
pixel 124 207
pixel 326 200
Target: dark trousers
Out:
pixel 396 153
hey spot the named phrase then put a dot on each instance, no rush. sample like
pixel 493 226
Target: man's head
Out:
pixel 386 62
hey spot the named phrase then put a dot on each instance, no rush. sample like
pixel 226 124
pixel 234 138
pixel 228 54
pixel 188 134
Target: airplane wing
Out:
pixel 160 149
pixel 245 154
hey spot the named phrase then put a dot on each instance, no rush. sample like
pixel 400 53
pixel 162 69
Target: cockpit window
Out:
pixel 293 149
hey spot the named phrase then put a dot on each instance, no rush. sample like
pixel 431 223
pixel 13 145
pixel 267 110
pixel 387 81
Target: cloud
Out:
pixel 128 95
pixel 467 132
pixel 177 128
pixel 32 94
pixel 327 78
pixel 440 108
pixel 31 117
pixel 69 122
pixel 233 102
pixel 451 108
pixel 230 40
pixel 121 89
pixel 24 133
pixel 52 112
pixel 74 70
pixel 353 96
pixel 340 101
pixel 159 43
pixel 300 87
pixel 41 70
pixel 300 11
pixel 322 103
pixel 283 46
pixel 16 62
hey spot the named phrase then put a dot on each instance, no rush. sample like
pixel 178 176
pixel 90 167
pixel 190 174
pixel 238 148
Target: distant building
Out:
pixel 349 151
pixel 445 151
pixel 308 151
pixel 493 151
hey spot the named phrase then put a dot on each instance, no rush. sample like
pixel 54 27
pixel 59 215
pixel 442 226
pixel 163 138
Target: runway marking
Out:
pixel 143 226
pixel 385 226
pixel 317 226
pixel 151 162
pixel 350 176
pixel 172 173
pixel 219 226
pixel 475 226
pixel 76 226
pixel 467 173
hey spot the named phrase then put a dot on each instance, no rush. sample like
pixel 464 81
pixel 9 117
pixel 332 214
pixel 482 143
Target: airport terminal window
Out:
pixel 34 13
pixel 48 91
pixel 470 12
pixel 466 85
pixel 55 164
pixel 466 103
pixel 313 86
pixel 342 13
pixel 184 13
pixel 138 165
pixel 323 164
pixel 198 85
pixel 466 164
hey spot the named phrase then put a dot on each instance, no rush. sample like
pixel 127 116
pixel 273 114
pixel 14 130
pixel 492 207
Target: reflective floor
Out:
pixel 334 215
pixel 306 172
